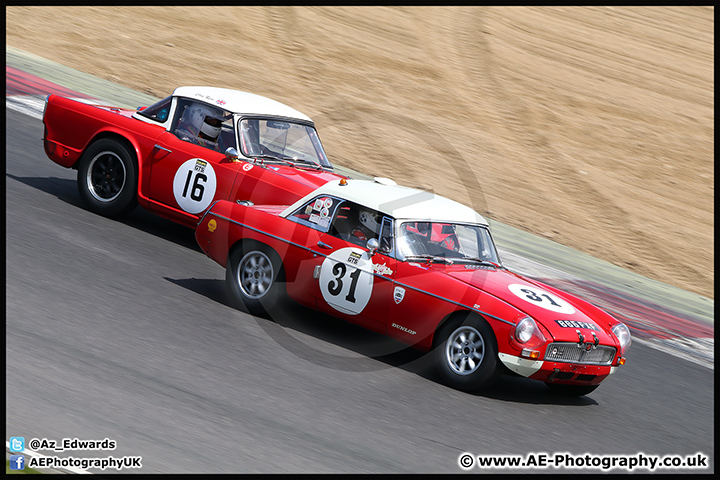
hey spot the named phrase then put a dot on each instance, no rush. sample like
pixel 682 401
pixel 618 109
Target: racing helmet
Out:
pixel 370 220
pixel 203 121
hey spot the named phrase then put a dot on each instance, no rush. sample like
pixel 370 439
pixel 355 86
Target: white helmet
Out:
pixel 371 220
pixel 203 121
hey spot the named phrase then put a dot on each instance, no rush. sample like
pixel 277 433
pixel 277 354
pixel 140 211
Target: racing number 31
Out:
pixel 335 286
pixel 346 280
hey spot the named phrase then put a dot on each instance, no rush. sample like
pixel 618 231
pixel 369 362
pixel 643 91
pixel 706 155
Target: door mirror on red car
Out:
pixel 372 245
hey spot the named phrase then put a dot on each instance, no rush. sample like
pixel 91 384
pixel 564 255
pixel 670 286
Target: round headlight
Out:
pixel 622 333
pixel 524 329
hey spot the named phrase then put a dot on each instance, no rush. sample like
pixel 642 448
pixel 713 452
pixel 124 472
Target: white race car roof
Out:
pixel 242 103
pixel 396 201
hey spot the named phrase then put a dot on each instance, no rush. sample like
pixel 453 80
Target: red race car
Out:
pixel 179 155
pixel 417 267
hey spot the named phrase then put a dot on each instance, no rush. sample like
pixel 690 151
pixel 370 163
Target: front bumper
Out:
pixel 557 372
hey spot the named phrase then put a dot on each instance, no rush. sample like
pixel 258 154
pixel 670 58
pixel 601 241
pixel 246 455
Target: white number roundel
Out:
pixel 541 298
pixel 346 280
pixel 194 185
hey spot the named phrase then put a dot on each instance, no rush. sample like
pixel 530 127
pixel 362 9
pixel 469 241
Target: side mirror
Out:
pixel 232 154
pixel 372 245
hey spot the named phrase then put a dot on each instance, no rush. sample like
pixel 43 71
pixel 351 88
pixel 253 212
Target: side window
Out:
pixel 158 111
pixel 316 213
pixel 203 125
pixel 356 224
pixel 386 237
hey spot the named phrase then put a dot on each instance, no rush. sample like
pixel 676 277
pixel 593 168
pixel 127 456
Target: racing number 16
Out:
pixel 336 286
pixel 196 193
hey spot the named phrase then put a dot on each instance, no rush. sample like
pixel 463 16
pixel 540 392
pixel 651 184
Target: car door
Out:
pixel 350 282
pixel 187 178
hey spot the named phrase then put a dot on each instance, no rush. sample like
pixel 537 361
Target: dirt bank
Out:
pixel 591 126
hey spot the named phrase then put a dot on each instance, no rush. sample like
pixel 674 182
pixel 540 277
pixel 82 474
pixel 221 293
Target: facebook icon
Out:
pixel 17 462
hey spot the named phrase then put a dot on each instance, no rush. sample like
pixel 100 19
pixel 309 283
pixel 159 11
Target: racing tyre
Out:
pixel 571 390
pixel 466 353
pixel 255 278
pixel 107 178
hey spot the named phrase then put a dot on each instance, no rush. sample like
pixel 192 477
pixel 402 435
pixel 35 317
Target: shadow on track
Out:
pixel 289 322
pixel 66 190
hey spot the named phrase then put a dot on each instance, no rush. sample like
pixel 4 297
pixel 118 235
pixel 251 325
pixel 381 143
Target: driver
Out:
pixel 200 124
pixel 368 227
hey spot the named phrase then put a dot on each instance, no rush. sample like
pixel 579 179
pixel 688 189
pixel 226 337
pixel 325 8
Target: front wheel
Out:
pixel 107 178
pixel 254 277
pixel 466 354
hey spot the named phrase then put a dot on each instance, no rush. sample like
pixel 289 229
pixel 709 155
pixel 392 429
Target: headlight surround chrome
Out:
pixel 524 329
pixel 622 332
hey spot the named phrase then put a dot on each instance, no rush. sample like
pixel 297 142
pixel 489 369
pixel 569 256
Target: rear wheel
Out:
pixel 107 178
pixel 254 278
pixel 466 353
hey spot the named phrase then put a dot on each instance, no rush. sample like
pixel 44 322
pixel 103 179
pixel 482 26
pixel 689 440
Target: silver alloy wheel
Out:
pixel 255 274
pixel 465 350
pixel 106 176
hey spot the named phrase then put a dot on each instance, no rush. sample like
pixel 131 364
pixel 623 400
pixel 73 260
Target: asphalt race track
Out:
pixel 122 330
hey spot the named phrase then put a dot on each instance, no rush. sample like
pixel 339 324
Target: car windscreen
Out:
pixel 281 139
pixel 448 240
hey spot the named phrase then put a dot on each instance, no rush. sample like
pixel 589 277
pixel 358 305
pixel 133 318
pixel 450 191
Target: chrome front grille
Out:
pixel 572 353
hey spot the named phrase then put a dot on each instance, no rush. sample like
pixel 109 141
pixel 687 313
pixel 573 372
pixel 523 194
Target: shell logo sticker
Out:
pixel 541 298
pixel 194 185
pixel 212 225
pixel 346 280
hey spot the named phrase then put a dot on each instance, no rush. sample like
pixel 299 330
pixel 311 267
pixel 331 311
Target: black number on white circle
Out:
pixel 196 193
pixel 335 286
pixel 535 298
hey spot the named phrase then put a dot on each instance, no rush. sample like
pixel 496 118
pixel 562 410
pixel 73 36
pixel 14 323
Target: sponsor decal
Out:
pixel 322 221
pixel 247 167
pixel 382 269
pixel 212 225
pixel 354 258
pixel 398 294
pixel 200 165
pixel 404 329
pixel 319 211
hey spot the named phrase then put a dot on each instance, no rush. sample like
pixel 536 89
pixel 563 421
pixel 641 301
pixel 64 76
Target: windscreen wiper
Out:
pixel 312 163
pixel 482 261
pixel 277 159
pixel 434 258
